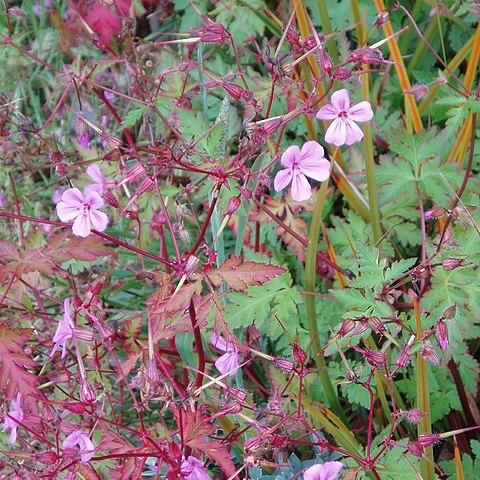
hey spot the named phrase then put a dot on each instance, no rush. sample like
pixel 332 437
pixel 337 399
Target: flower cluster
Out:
pixel 309 161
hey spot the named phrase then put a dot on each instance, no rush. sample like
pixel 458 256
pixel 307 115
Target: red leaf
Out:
pixel 106 22
pixel 14 376
pixel 195 429
pixel 8 252
pixel 239 276
pixel 87 249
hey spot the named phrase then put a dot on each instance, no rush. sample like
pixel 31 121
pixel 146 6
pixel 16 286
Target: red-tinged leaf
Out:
pixel 104 21
pixel 130 333
pixel 8 252
pixel 87 472
pixel 239 276
pixel 32 261
pixel 174 303
pixel 128 365
pixel 196 429
pixel 14 376
pixel 87 249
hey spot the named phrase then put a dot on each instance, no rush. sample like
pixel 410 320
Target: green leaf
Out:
pixel 134 115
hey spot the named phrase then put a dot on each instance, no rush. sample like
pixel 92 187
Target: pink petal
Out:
pixel 301 189
pixel 317 169
pixel 353 133
pixel 311 151
pixel 361 112
pixel 95 187
pixel 99 220
pixel 81 226
pixel 94 199
pixel 327 112
pixel 95 173
pixel 228 363
pixel 73 196
pixel 340 100
pixel 331 470
pixel 289 156
pixel 336 132
pixel 87 447
pixel 282 179
pixel 218 342
pixel 72 439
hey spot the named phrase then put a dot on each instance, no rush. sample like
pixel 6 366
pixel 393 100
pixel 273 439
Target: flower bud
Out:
pixel 403 358
pixel 326 63
pixel 416 449
pixel 237 393
pixel 374 358
pixel 435 212
pixel 234 90
pixel 233 205
pixel 428 439
pixel 87 393
pixel 293 37
pixel 347 326
pixel 382 18
pixel 441 334
pixel 298 354
pixel 418 90
pixel 376 324
pixel 413 416
pixel 452 263
pixel 342 74
pixel 47 458
pixel 369 56
pixel 111 199
pixel 283 364
pixel 429 354
pixel 74 407
pixel 56 156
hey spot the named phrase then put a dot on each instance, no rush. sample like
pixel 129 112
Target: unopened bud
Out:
pixel 403 359
pixel 298 354
pixel 292 36
pixel 112 155
pixel 87 393
pixel 374 358
pixel 310 43
pixel 47 458
pixel 235 91
pixel 111 199
pixel 56 156
pixel 61 169
pixel 418 90
pixel 326 63
pixel 111 140
pixel 428 439
pixel 237 393
pixel 382 18
pixel 413 416
pixel 74 407
pixel 435 212
pixel 416 449
pixel 272 126
pixel 347 326
pixel 441 334
pixel 429 354
pixel 452 263
pixel 342 74
pixel 233 205
pixel 369 56
pixel 283 364
pixel 376 324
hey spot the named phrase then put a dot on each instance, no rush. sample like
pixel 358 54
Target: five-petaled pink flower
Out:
pixel 64 330
pixel 13 418
pixel 299 164
pixel 84 209
pixel 191 469
pixel 343 130
pixel 228 362
pixel 77 437
pixel 327 471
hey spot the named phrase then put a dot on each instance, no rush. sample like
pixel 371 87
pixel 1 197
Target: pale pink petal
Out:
pixel 290 155
pixel 361 112
pixel 218 342
pixel 228 363
pixel 317 169
pixel 353 133
pixel 331 470
pixel 336 133
pixel 93 187
pixel 73 196
pixel 81 226
pixel 301 189
pixel 282 179
pixel 67 212
pixel 72 439
pixel 327 112
pixel 311 151
pixel 99 220
pixel 87 447
pixel 94 199
pixel 340 100
pixel 197 474
pixel 95 173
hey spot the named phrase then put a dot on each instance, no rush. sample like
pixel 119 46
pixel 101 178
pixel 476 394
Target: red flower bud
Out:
pixel 293 37
pixel 234 90
pixel 429 354
pixel 342 74
pixel 233 205
pixel 326 63
pixel 298 354
pixel 369 56
pixel 347 326
pixel 111 200
pixel 441 334
pixel 87 393
pixel 413 416
pixel 283 364
pixel 416 449
pixel 452 263
pixel 435 212
pixel 47 458
pixel 428 439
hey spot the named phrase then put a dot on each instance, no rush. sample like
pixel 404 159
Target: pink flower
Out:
pixel 327 471
pixel 84 140
pixel 64 330
pixel 191 469
pixel 100 183
pixel 228 362
pixel 299 164
pixel 85 211
pixel 343 130
pixel 13 418
pixel 84 443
